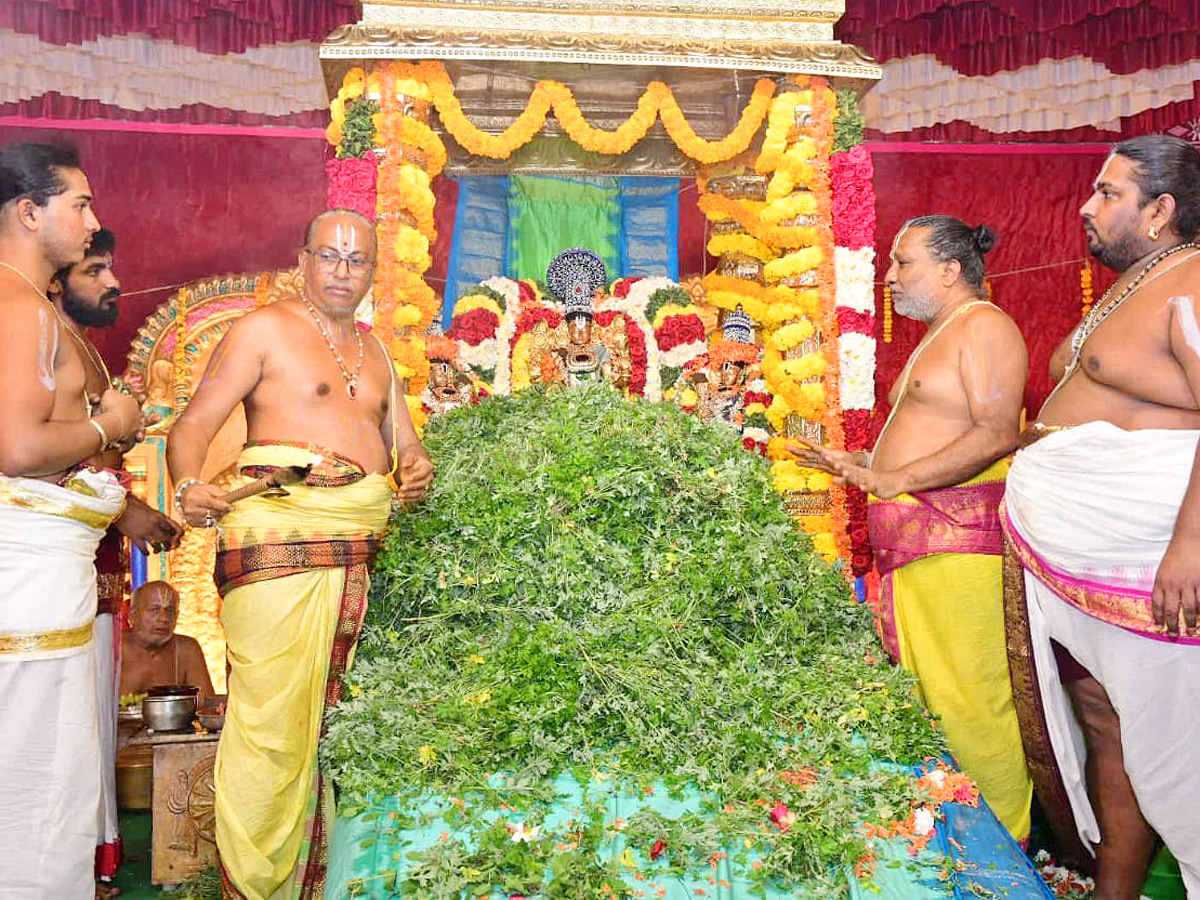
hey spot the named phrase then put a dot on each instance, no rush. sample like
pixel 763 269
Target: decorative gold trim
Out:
pixel 400 42
pixel 1031 716
pixel 487 20
pixel 746 10
pixel 63 639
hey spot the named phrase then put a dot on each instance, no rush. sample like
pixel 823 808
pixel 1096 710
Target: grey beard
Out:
pixel 922 309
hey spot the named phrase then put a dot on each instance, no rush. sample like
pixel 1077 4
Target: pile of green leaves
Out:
pixel 848 124
pixel 612 589
pixel 358 130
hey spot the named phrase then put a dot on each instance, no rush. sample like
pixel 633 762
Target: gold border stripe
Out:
pixel 64 639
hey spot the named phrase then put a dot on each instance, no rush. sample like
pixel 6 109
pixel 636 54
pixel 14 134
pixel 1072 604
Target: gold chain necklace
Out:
pixel 351 378
pixel 1104 308
pixel 94 356
pixel 29 281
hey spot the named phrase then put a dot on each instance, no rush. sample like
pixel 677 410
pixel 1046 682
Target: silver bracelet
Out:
pixel 105 443
pixel 181 487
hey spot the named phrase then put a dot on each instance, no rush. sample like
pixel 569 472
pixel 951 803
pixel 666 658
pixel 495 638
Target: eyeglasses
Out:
pixel 328 260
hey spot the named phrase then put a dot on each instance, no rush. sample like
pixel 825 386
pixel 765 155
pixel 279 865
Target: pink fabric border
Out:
pixel 1098 599
pixel 162 127
pixel 989 149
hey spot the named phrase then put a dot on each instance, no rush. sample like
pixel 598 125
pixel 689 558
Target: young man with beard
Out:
pixel 53 511
pixel 85 295
pixel 1103 510
pixel 936 477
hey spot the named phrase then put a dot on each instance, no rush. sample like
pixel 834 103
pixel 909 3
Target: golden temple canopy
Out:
pixel 785 36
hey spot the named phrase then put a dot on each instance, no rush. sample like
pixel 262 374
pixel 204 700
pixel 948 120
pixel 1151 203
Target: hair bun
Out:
pixel 985 238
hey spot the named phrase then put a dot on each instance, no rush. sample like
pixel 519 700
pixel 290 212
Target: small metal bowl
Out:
pixel 169 713
pixel 212 713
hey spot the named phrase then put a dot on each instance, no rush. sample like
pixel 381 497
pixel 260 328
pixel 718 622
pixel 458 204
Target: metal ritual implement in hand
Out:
pixel 270 485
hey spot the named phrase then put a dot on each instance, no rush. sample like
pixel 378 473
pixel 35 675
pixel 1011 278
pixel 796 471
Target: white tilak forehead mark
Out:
pixel 1185 306
pixel 346 237
pixel 47 348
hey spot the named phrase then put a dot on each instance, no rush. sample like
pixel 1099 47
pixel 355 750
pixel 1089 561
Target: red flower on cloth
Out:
pixel 677 330
pixel 474 326
pixel 853 175
pixel 352 184
pixel 657 850
pixel 782 816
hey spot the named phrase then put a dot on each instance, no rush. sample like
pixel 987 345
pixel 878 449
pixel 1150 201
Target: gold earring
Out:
pixel 1153 233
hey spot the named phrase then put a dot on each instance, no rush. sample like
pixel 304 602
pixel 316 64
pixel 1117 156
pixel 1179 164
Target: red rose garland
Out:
pixel 352 184
pixel 474 327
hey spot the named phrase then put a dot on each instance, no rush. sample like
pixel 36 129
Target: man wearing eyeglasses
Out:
pixel 292 570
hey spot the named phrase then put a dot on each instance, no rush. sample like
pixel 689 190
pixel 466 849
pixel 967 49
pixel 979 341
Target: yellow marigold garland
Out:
pixel 749 215
pixel 746 245
pixel 656 102
pixel 795 263
pixel 468 302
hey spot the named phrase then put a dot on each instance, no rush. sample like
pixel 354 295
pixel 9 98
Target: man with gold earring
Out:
pixel 1103 511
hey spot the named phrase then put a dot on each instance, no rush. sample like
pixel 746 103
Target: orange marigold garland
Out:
pixel 1086 287
pixel 405 305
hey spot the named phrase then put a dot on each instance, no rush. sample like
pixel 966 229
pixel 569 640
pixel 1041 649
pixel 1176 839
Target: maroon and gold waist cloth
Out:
pixel 963 518
pixel 334 519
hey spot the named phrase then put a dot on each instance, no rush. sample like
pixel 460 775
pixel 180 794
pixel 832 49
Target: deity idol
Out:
pixel 449 386
pixel 721 386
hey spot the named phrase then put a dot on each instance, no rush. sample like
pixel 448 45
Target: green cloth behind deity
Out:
pixel 548 215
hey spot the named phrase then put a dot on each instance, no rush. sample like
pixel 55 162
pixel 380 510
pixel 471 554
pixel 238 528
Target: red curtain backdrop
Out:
pixel 185 207
pixel 1032 202
pixel 212 26
pixel 980 37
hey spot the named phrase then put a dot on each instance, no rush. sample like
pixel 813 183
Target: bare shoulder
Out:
pixel 993 324
pixel 266 318
pixel 189 645
pixel 23 308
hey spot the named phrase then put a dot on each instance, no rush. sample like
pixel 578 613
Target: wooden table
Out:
pixel 183 841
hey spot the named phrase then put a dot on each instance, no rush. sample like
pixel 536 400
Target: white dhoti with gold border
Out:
pixel 50 751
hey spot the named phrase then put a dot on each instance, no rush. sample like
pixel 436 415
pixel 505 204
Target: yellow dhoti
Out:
pixel 945 623
pixel 293 575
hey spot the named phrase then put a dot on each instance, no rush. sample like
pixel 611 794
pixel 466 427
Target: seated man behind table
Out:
pixel 937 476
pixel 152 653
pixel 293 570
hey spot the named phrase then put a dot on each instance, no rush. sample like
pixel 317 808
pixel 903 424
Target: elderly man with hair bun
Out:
pixel 936 478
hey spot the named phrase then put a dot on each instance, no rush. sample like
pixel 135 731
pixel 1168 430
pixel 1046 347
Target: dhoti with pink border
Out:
pixel 1089 512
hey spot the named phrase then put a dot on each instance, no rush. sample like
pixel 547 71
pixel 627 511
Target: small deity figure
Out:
pixel 449 386
pixel 721 386
pixel 158 394
pixel 584 354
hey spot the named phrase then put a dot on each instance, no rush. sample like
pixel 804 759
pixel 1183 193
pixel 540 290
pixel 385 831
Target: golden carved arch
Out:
pixel 166 361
